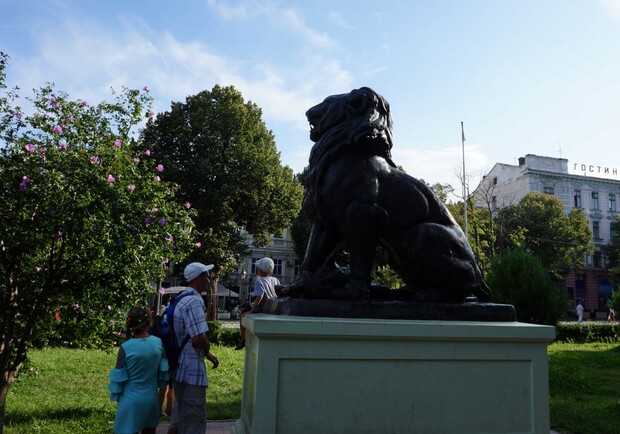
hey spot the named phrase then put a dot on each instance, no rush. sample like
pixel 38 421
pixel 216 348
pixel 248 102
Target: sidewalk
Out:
pixel 213 426
pixel 220 427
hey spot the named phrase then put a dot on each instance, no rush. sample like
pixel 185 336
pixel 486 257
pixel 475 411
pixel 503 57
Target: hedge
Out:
pixel 588 331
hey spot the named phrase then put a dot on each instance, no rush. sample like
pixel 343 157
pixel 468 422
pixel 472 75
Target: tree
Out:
pixel 519 278
pixel 218 149
pixel 302 224
pixel 538 225
pixel 612 251
pixel 479 232
pixel 85 222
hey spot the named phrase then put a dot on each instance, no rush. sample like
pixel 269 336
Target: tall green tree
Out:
pixel 538 225
pixel 302 224
pixel 217 148
pixel 85 223
pixel 612 251
pixel 519 278
pixel 480 233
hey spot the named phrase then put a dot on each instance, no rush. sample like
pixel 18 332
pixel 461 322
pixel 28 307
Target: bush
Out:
pixel 223 336
pixel 518 278
pixel 589 331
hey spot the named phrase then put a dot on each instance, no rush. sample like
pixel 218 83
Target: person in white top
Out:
pixel 265 286
pixel 579 312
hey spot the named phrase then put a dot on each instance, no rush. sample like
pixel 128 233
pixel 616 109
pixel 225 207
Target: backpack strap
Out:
pixel 187 336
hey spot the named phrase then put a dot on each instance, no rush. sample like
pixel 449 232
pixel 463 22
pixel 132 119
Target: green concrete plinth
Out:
pixel 357 376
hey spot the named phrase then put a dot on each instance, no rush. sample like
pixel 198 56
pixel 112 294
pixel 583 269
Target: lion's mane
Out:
pixel 357 123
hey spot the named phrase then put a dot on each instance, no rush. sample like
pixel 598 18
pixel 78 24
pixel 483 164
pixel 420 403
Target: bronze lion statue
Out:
pixel 357 199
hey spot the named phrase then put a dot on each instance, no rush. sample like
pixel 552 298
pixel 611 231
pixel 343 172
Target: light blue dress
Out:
pixel 134 385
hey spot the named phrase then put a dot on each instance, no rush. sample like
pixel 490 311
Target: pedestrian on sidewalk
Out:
pixel 141 368
pixel 189 412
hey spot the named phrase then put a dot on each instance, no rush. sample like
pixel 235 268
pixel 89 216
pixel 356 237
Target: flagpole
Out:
pixel 464 191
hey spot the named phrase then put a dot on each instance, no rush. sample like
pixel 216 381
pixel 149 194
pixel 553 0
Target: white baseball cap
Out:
pixel 195 269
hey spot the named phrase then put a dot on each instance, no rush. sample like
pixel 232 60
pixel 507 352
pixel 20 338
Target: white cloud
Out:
pixel 338 20
pixel 613 6
pixel 444 165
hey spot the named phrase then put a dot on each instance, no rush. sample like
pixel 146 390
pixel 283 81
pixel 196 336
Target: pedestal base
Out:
pixel 335 375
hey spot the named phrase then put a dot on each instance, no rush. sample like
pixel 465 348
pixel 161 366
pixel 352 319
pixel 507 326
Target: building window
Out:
pixel 494 203
pixel 594 200
pixel 612 202
pixel 277 267
pixel 253 266
pixel 580 288
pixel 495 180
pixel 297 267
pixel 612 232
pixel 596 230
pixel 548 190
pixel 577 198
pixel 598 259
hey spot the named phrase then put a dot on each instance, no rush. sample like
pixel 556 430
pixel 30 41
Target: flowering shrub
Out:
pixel 75 199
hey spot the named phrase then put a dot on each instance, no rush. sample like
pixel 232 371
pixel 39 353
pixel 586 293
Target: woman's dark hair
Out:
pixel 138 320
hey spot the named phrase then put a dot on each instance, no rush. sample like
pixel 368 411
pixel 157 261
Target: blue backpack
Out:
pixel 164 330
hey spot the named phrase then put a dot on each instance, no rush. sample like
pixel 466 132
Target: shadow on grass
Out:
pixel 73 413
pixel 223 410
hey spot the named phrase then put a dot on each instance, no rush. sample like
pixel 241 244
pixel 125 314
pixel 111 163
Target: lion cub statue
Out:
pixel 358 199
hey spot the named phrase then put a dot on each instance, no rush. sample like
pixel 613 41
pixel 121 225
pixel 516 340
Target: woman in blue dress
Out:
pixel 141 368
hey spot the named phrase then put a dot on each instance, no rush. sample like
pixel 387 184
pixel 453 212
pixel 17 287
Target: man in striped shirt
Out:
pixel 189 415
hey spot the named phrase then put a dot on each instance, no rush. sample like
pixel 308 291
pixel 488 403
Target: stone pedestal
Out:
pixel 336 375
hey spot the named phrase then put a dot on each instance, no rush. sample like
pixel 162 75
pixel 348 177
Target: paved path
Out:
pixel 221 427
pixel 213 427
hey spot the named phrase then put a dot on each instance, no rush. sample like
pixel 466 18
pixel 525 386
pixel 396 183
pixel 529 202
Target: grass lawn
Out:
pixel 65 391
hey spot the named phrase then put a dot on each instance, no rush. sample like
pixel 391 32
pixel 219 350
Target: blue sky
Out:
pixel 525 76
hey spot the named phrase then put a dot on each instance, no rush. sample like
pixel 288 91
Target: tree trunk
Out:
pixel 4 390
pixel 5 385
pixel 212 305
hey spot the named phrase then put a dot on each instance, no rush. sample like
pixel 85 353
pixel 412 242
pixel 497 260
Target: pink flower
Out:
pixel 18 115
pixel 58 129
pixel 161 221
pixel 166 260
pixel 53 99
pixel 188 205
pixel 198 244
pixel 169 237
pixel 162 291
pixel 146 88
pixel 157 178
pixel 25 180
pixel 151 113
pixel 37 268
pixel 95 160
pixel 62 145
pixel 160 168
pixel 84 103
pixel 151 121
pixel 147 152
pixel 111 179
pixel 118 143
pixel 131 187
pixel 22 186
pixel 70 119
pixel 136 160
pixel 29 147
pixel 57 235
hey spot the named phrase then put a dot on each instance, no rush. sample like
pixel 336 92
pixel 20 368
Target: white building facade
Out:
pixel 592 191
